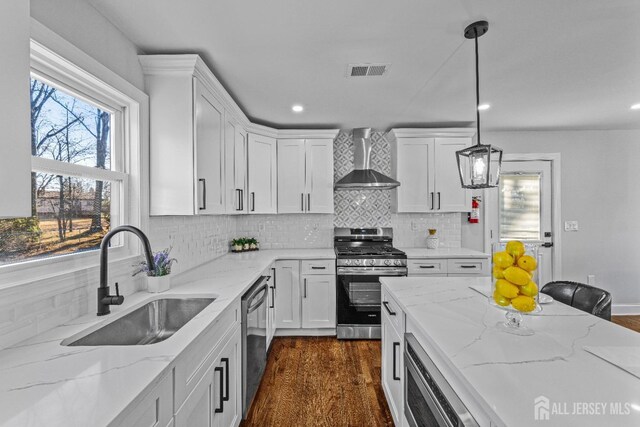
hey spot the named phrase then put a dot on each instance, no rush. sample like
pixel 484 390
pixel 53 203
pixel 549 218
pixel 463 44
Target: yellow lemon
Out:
pixel 515 248
pixel 527 263
pixel 501 300
pixel 530 289
pixel 506 289
pixel 523 303
pixel 517 276
pixel 498 273
pixel 502 259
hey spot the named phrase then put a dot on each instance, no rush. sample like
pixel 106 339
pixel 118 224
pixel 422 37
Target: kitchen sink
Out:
pixel 151 323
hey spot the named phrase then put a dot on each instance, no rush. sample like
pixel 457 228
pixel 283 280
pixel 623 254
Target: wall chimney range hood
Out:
pixel 363 177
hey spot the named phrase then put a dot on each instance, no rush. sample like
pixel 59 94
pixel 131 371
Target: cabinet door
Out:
pixel 230 361
pixel 209 134
pixel 154 410
pixel 319 301
pixel 292 197
pixel 271 307
pixel 15 160
pixel 262 196
pixel 288 294
pixel 414 165
pixel 198 408
pixel 450 196
pixel 235 167
pixel 392 369
pixel 319 175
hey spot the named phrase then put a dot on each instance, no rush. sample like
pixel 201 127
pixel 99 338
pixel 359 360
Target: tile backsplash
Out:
pixel 287 231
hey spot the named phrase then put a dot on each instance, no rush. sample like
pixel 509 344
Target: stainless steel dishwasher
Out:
pixel 254 340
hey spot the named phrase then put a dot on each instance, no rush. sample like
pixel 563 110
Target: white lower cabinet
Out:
pixel 155 409
pixel 392 358
pixel 305 301
pixel 448 267
pixel 271 303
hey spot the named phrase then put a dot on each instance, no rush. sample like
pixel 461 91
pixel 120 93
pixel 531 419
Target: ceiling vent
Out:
pixel 367 70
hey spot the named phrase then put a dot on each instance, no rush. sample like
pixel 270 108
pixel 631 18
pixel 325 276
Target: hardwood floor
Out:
pixel 631 322
pixel 321 381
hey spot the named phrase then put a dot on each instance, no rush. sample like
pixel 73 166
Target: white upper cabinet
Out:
pixel 236 167
pixel 424 162
pixel 305 175
pixel 262 175
pixel 15 160
pixel 186 138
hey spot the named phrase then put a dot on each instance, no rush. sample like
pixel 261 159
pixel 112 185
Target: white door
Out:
pixel 414 171
pixel 319 301
pixel 288 294
pixel 209 134
pixel 450 196
pixel 262 197
pixel 292 197
pixel 319 175
pixel 522 209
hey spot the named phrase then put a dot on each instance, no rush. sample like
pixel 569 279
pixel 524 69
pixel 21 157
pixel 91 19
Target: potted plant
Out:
pixel 253 244
pixel 158 279
pixel 245 243
pixel 236 245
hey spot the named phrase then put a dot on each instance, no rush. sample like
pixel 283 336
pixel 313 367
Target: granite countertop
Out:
pixel 504 373
pixel 45 383
pixel 443 253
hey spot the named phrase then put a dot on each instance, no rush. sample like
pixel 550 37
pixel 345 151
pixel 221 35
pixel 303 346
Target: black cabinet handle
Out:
pixel 274 278
pixel 301 202
pixel 386 305
pixel 395 345
pixel 468 266
pixel 439 200
pixel 253 201
pixel 221 399
pixel 308 202
pixel 241 199
pixel 305 288
pixel 432 203
pixel 427 266
pixel 204 194
pixel 318 268
pixel 225 397
pixel 273 297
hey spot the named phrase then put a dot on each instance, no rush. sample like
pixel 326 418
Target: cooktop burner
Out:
pixel 368 250
pixel 370 247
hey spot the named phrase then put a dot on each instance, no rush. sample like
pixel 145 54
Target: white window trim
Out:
pixel 59 60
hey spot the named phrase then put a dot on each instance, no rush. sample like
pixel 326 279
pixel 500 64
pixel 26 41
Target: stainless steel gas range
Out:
pixel 363 256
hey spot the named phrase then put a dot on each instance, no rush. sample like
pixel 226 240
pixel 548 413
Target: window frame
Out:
pixel 120 98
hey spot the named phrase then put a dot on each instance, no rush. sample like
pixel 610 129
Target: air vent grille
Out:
pixel 367 70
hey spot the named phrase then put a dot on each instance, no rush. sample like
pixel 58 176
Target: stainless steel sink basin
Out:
pixel 153 322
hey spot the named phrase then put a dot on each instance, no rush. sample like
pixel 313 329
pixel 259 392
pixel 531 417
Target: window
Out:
pixel 520 214
pixel 77 178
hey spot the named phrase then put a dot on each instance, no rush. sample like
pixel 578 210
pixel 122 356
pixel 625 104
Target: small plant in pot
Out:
pixel 236 245
pixel 157 278
pixel 253 244
pixel 245 243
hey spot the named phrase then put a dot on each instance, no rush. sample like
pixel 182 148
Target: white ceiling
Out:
pixel 544 64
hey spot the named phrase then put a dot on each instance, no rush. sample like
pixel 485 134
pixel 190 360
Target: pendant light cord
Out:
pixel 475 30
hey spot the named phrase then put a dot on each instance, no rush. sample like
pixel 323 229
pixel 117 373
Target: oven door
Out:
pixel 429 400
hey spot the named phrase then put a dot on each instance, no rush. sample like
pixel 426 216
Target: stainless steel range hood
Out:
pixel 363 177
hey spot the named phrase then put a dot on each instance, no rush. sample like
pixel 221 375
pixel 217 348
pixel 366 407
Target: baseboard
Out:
pixel 317 332
pixel 625 309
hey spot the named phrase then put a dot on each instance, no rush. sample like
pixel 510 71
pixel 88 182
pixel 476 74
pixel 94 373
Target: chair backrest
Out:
pixel 581 296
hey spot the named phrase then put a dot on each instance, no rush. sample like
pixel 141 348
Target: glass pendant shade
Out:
pixel 479 166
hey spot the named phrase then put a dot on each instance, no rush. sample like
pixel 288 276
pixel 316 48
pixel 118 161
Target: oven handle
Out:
pixel 362 272
pixel 386 305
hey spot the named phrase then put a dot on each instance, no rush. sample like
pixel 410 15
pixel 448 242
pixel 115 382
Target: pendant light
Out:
pixel 479 165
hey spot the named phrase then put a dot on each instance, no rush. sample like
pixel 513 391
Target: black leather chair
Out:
pixel 583 297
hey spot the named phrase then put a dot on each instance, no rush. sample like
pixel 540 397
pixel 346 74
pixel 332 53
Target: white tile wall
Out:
pixel 410 230
pixel 288 231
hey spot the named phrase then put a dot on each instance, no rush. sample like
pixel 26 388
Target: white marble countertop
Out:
pixel 45 383
pixel 504 373
pixel 443 253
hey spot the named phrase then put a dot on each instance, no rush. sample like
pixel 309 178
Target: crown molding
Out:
pixel 433 132
pixel 307 133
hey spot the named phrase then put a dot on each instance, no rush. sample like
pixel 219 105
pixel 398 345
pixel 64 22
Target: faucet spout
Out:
pixel 104 298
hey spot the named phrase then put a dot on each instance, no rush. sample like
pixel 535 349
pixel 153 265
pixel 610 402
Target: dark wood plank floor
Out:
pixel 321 381
pixel 631 322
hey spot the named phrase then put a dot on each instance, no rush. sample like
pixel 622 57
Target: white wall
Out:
pixel 600 189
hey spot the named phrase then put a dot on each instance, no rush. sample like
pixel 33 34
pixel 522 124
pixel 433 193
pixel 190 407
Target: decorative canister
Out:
pixel 432 240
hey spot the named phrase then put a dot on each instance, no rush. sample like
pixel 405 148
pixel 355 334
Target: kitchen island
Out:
pixel 509 380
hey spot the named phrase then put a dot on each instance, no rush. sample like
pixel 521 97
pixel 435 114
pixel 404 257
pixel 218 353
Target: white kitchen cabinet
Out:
pixel 187 137
pixel 288 294
pixel 153 410
pixel 15 146
pixel 319 301
pixel 230 361
pixel 305 175
pixel 424 162
pixel 262 164
pixel 451 267
pixel 392 357
pixel 271 304
pixel 235 167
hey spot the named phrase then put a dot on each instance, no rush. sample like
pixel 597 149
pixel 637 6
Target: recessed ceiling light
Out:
pixel 483 107
pixel 635 107
pixel 297 108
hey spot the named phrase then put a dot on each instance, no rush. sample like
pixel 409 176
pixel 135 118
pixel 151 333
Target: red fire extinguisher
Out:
pixel 474 215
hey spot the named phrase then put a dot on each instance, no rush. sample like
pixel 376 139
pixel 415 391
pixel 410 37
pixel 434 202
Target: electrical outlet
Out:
pixel 591 279
pixel 571 226
pixel 261 227
pixel 414 226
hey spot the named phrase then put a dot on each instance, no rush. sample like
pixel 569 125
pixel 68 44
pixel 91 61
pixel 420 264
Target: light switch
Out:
pixel 571 226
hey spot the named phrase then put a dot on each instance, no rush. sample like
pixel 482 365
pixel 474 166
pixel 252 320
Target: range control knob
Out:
pixel 397 262
pixel 347 262
pixel 387 262
pixel 371 262
pixel 356 262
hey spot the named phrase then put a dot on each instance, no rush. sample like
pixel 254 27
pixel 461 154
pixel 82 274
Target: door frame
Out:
pixel 556 205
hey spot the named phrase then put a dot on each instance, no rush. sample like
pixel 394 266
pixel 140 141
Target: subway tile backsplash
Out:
pixel 288 230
